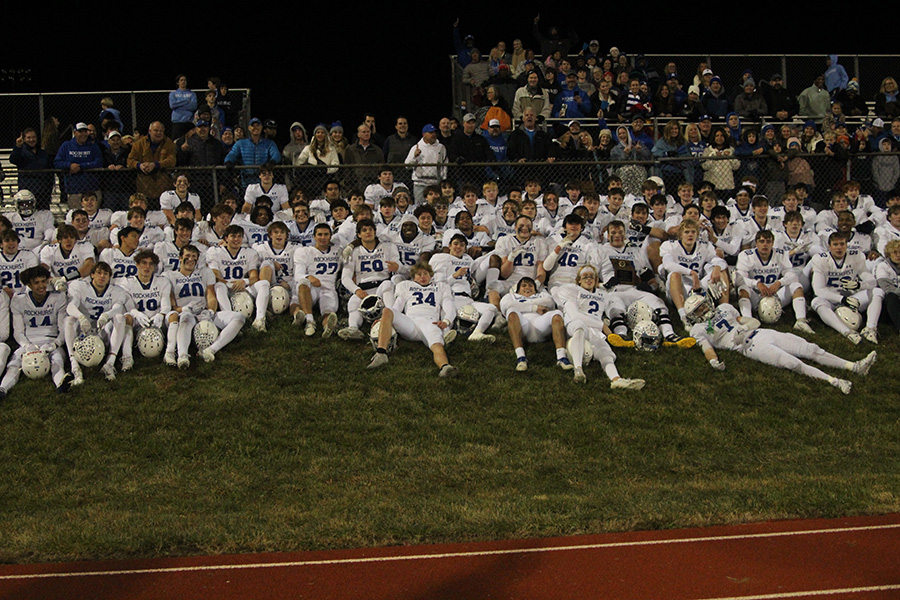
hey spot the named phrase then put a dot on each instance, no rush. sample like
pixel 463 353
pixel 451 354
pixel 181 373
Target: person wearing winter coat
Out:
pixel 720 172
pixel 835 75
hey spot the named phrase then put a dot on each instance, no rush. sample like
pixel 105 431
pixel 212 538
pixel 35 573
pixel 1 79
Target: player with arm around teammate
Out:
pixel 316 270
pixel 584 304
pixel 530 316
pixel 839 276
pixel 194 298
pixel 423 310
pixel 97 305
pixel 765 271
pixel 151 301
pixel 37 314
pixel 722 327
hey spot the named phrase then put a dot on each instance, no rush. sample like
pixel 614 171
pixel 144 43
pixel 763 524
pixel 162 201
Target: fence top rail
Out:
pixel 106 92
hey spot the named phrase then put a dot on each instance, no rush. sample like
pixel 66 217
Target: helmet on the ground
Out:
pixel 638 311
pixel 587 351
pixel 696 307
pixel 373 337
pixel 89 350
pixel 849 317
pixel 467 319
pixel 646 336
pixel 242 302
pixel 150 342
pixel 371 308
pixel 769 309
pixel 205 333
pixel 36 364
pixel 280 299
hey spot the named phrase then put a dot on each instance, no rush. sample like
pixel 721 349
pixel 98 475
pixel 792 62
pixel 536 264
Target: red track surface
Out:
pixel 850 558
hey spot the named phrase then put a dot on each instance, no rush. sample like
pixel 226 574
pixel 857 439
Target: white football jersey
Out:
pixel 369 266
pixel 582 252
pixel 432 302
pixel 751 267
pixel 152 297
pixel 12 266
pixel 89 301
pixel 61 265
pixel 284 257
pixel 33 230
pixel 230 266
pixel 169 200
pixel 324 266
pixel 122 265
pixel 35 322
pixel 534 251
pixel 188 288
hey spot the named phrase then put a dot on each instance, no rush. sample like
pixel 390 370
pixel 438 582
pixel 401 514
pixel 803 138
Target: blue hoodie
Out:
pixel 835 75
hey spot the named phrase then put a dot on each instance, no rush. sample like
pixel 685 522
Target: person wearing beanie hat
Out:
pixel 750 103
pixel 338 141
pixel 715 101
pixel 852 103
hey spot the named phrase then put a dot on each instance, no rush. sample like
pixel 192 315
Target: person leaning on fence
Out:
pixel 429 158
pixel 29 156
pixel 254 150
pixel 77 156
pixel 152 155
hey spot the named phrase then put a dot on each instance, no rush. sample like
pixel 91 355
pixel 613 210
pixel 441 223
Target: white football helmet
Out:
pixel 242 302
pixel 150 342
pixel 467 319
pixel 280 299
pixel 36 364
pixel 89 350
pixel 373 337
pixel 646 336
pixel 638 311
pixel 849 317
pixel 769 309
pixel 26 203
pixel 205 333
pixel 588 352
pixel 697 307
pixel 371 308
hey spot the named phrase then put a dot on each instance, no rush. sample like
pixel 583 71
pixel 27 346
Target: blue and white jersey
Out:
pixel 33 230
pixel 281 261
pixel 786 243
pixel 722 329
pixel 122 264
pixel 678 259
pixel 534 251
pixel 304 237
pixel 752 268
pixel 446 267
pixel 37 322
pixel 255 234
pixel 230 266
pixel 582 252
pixel 12 266
pixel 169 200
pixel 62 265
pixel 432 302
pixel 575 301
pixel 192 287
pixel 411 251
pixel 366 268
pixel 830 273
pixel 152 297
pixel 526 304
pixel 91 302
pixel 323 265
pixel 168 254
pixel 99 220
pixel 627 263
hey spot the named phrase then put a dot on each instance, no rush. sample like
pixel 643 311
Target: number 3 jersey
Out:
pixel 87 300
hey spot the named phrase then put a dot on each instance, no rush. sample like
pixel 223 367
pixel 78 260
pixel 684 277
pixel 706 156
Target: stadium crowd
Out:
pixel 477 225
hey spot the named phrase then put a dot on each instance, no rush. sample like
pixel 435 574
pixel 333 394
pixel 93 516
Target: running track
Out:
pixel 851 558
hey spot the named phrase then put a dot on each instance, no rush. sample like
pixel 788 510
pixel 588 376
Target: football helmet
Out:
pixel 697 307
pixel 150 342
pixel 588 351
pixel 89 350
pixel 646 336
pixel 242 302
pixel 205 333
pixel 36 364
pixel 769 309
pixel 467 319
pixel 280 299
pixel 371 308
pixel 26 203
pixel 373 337
pixel 849 317
pixel 638 311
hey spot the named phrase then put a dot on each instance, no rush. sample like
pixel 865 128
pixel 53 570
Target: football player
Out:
pixel 67 260
pixel 236 268
pixel 276 260
pixel 691 264
pixel 723 328
pixel 33 226
pixel 13 261
pixel 316 272
pixel 455 269
pixel 151 301
pixel 530 315
pixel 121 259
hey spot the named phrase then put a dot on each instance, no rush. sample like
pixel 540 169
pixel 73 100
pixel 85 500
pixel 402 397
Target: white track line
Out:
pixel 856 590
pixel 375 559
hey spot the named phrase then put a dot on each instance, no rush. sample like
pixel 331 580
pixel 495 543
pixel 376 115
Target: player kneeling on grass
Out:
pixel 98 304
pixel 583 305
pixel 531 316
pixel 765 272
pixel 194 298
pixel 151 301
pixel 839 277
pixel 316 271
pixel 37 314
pixel 423 311
pixel 723 328
pixel 236 268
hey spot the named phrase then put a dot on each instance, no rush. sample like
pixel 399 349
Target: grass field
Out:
pixel 288 443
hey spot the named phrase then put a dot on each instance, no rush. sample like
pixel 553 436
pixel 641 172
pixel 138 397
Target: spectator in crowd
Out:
pixel 362 152
pixel 318 153
pixel 517 58
pixel 851 102
pixel 77 156
pixel 886 101
pixel 750 103
pixel 474 76
pixel 29 156
pixel 429 158
pixel 836 78
pixel 110 117
pixel 254 150
pixel 572 102
pixel 497 109
pixel 152 156
pixel 198 148
pixel 715 100
pixel 554 42
pixel 815 100
pixel 720 172
pixel 118 184
pixel 338 141
pixel 781 103
pixel 230 102
pixel 526 142
pixel 531 95
pixel 216 116
pixel 398 144
pixel 463 45
pixel 183 103
pixel 468 146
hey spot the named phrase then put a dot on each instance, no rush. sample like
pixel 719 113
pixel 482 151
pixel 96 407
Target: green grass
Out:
pixel 288 443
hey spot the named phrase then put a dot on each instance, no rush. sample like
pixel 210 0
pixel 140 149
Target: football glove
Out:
pixel 48 347
pixel 103 320
pixel 851 302
pixel 717 364
pixel 84 323
pixel 850 284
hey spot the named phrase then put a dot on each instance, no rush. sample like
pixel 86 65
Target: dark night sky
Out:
pixel 318 67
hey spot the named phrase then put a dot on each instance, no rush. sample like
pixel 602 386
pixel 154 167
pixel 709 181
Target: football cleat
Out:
pixel 207 355
pixel 618 341
pixel 65 384
pixel 310 329
pixel 299 317
pixel 127 363
pixel 379 360
pixel 862 366
pixel 351 333
pixel 329 325
pixel 853 336
pixel 522 364
pixel 499 323
pixel 870 334
pixel 579 375
pixel 843 385
pixel 477 336
pixel 673 339
pixel 448 370
pixel 184 362
pixel 77 375
pixel 449 336
pixel 627 384
pixel 109 371
pixel 260 325
pixel 564 363
pixel 169 359
pixel 802 325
